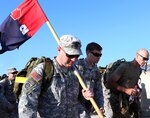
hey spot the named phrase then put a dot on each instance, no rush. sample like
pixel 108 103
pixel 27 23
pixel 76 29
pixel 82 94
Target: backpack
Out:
pixel 24 73
pixel 110 68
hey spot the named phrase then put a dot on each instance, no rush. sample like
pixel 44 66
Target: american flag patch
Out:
pixel 36 76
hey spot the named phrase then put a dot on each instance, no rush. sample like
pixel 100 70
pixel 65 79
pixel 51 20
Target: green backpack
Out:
pixel 24 73
pixel 110 68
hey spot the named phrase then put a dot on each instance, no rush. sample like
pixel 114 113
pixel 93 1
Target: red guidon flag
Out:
pixel 21 25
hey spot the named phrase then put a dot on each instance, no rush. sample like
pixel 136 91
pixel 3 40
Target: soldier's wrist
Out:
pixel 121 89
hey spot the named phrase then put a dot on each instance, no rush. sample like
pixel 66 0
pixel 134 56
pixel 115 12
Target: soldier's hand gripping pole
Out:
pixel 84 87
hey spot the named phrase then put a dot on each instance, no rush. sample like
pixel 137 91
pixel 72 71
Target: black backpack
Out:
pixel 110 68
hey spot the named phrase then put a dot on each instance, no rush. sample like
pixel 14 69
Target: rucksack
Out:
pixel 110 68
pixel 24 73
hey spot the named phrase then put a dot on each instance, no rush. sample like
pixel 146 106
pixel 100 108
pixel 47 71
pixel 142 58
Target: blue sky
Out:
pixel 121 27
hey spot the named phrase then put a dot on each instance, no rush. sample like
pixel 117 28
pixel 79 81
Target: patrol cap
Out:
pixel 70 44
pixel 12 70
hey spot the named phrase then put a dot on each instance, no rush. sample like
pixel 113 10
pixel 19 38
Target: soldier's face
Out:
pixel 12 76
pixel 67 60
pixel 95 56
pixel 142 58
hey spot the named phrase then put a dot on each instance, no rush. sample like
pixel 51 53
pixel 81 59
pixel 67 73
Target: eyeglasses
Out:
pixel 72 56
pixel 96 54
pixel 144 58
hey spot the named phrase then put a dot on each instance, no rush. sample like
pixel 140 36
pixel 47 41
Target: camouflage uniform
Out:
pixel 120 101
pixel 92 79
pixel 108 110
pixel 7 97
pixel 60 100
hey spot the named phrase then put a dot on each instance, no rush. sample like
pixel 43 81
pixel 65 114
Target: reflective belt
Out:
pixel 21 79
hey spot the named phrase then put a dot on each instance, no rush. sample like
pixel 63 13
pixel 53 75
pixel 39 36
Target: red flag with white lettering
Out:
pixel 21 25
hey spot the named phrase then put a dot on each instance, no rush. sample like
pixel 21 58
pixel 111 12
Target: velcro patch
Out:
pixel 36 76
pixel 27 85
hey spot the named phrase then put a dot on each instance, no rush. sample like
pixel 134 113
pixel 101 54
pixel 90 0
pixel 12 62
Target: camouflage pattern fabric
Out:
pixel 108 110
pixel 7 97
pixel 92 78
pixel 60 100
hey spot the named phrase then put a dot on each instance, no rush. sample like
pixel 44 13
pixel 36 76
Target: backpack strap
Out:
pixel 49 68
pixel 48 73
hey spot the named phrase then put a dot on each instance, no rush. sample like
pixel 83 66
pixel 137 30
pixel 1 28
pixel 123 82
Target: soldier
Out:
pixel 124 86
pixel 8 101
pixel 60 100
pixel 92 77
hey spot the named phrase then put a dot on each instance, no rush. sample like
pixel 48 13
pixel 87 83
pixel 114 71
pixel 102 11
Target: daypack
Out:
pixel 110 68
pixel 24 73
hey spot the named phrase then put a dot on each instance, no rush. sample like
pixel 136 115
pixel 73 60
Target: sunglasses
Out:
pixel 72 56
pixel 144 58
pixel 96 54
pixel 14 73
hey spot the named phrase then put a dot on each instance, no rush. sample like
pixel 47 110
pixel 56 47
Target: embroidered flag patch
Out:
pixel 36 76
